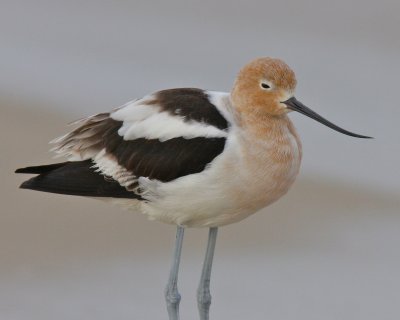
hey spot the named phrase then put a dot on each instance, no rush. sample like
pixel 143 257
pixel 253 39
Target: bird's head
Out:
pixel 267 86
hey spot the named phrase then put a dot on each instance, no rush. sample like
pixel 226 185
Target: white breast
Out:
pixel 243 179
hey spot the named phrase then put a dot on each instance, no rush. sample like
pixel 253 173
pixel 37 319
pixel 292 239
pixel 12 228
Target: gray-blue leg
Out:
pixel 203 292
pixel 172 295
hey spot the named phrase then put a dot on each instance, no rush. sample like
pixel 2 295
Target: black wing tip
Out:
pixel 41 168
pixel 24 185
pixel 23 170
pixel 28 184
pixel 75 179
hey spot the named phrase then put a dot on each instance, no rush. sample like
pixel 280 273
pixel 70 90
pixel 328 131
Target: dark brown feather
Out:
pixel 191 104
pixel 164 161
pixel 75 178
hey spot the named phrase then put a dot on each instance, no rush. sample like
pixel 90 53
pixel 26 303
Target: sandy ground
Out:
pixel 326 251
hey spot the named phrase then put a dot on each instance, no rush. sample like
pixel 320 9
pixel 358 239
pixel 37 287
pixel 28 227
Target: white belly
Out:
pixel 243 179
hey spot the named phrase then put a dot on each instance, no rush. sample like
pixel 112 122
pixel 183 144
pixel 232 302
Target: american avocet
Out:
pixel 188 157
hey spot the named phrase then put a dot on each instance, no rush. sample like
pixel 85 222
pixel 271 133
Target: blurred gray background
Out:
pixel 328 250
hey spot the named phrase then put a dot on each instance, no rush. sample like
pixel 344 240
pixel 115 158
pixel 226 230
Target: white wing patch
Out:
pixel 142 120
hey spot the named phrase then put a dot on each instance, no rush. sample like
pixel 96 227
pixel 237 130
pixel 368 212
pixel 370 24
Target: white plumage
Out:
pixel 141 120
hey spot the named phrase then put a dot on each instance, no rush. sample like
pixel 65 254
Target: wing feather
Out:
pixel 164 136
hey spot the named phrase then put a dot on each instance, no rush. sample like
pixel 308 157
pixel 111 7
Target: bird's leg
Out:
pixel 172 295
pixel 203 291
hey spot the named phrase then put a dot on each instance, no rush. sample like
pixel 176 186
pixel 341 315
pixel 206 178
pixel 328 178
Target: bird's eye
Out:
pixel 265 85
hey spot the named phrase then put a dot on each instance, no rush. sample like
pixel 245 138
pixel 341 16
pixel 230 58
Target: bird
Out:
pixel 188 157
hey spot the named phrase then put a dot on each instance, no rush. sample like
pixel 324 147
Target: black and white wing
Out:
pixel 164 136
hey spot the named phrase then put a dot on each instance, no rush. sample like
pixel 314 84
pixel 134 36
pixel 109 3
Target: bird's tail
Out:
pixel 77 178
